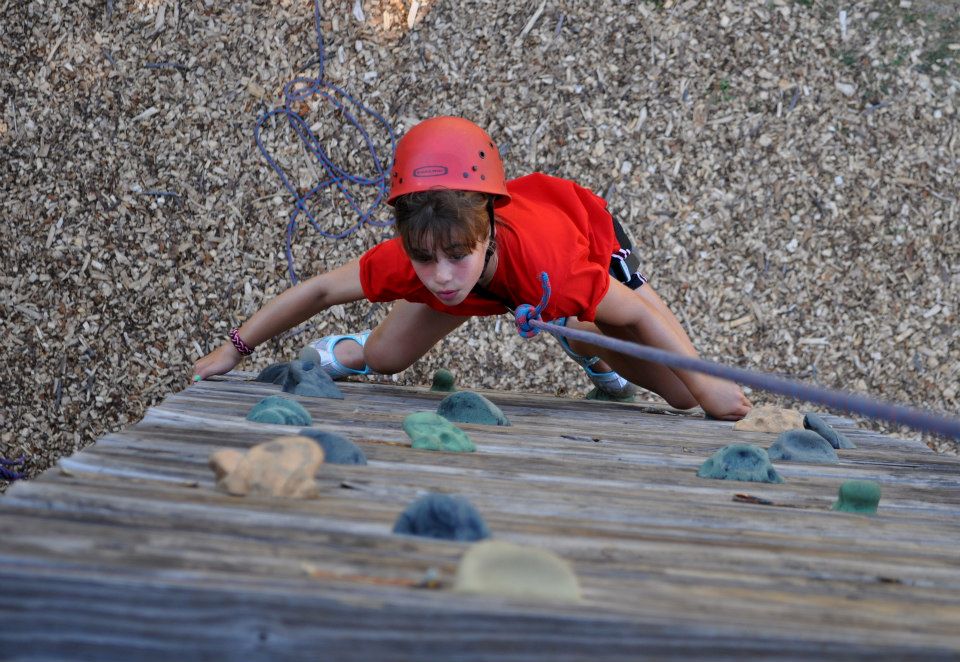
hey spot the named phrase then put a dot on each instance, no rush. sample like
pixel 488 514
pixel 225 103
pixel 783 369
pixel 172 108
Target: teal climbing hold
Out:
pixel 433 432
pixel 469 407
pixel 443 381
pixel 280 411
pixel 821 427
pixel 858 496
pixel 802 446
pixel 740 462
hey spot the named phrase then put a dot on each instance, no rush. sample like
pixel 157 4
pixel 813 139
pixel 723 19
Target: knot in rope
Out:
pixel 525 313
pixel 295 95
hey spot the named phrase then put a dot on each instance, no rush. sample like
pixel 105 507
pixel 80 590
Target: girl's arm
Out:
pixel 292 307
pixel 642 317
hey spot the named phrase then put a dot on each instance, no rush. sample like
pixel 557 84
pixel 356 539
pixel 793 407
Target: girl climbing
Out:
pixel 471 243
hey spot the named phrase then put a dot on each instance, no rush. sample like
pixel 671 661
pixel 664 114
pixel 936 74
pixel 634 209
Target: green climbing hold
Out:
pixel 443 381
pixel 603 396
pixel 432 432
pixel 858 496
pixel 279 411
pixel 740 462
pixel 468 407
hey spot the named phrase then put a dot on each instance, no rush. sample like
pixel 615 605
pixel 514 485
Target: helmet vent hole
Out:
pixel 483 177
pixel 475 168
pixel 466 174
pixel 401 180
pixel 483 154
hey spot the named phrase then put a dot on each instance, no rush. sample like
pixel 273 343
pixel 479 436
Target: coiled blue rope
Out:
pixel 299 90
pixel 9 474
pixel 849 402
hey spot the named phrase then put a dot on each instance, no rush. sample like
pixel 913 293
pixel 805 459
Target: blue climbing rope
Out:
pixel 525 313
pixel 850 402
pixel 9 474
pixel 298 91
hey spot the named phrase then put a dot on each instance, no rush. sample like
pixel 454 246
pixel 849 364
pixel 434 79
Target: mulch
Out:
pixel 790 177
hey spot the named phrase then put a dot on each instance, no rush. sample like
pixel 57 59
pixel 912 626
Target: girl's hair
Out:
pixel 447 219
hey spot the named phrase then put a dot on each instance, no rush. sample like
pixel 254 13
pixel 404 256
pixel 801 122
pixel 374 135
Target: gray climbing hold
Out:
pixel 336 448
pixel 280 411
pixel 740 462
pixel 858 496
pixel 802 446
pixel 442 516
pixel 821 427
pixel 273 374
pixel 301 378
pixel 443 381
pixel 433 432
pixel 603 396
pixel 469 407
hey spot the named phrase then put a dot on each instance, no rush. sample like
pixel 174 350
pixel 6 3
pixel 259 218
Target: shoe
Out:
pixel 321 353
pixel 609 382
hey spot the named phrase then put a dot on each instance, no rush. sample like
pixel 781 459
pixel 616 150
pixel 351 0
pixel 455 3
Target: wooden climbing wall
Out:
pixel 126 551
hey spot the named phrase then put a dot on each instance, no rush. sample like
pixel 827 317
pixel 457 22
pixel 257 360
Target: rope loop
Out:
pixel 525 313
pixel 297 92
pixel 9 474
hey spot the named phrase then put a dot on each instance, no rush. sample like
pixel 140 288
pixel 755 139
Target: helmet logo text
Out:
pixel 430 171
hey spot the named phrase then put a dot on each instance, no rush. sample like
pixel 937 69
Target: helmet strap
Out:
pixel 491 242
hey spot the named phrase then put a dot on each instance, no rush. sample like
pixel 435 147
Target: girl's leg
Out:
pixel 651 376
pixel 408 332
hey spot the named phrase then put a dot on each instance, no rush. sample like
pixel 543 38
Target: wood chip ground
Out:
pixel 790 174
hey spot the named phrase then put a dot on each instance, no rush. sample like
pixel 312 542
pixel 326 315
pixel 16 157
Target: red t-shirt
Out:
pixel 550 225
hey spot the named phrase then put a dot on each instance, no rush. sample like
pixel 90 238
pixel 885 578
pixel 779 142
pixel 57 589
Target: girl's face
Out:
pixel 450 272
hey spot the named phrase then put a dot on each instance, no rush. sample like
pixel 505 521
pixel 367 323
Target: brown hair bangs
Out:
pixel 447 219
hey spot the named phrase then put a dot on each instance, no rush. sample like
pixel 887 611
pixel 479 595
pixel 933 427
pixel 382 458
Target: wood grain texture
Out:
pixel 127 550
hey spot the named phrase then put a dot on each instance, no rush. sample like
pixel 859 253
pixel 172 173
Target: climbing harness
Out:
pixel 297 92
pixel 529 324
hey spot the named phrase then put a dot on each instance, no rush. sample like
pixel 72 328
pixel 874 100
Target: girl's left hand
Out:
pixel 725 401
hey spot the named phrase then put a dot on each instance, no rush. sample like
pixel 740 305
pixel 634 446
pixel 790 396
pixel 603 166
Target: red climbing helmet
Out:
pixel 447 152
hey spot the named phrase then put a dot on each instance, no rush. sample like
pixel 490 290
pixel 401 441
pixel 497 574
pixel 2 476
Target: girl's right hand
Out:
pixel 221 360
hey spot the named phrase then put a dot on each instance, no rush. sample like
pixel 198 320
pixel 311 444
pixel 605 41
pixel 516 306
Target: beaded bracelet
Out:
pixel 242 347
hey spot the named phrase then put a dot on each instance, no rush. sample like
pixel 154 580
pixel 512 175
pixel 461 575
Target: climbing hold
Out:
pixel 770 419
pixel 858 496
pixel 503 569
pixel 597 394
pixel 301 378
pixel 280 411
pixel 433 432
pixel 336 448
pixel 443 381
pixel 442 516
pixel 821 427
pixel 283 467
pixel 740 462
pixel 469 407
pixel 802 446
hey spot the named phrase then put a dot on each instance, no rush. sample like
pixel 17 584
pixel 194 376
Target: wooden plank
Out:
pixel 656 548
